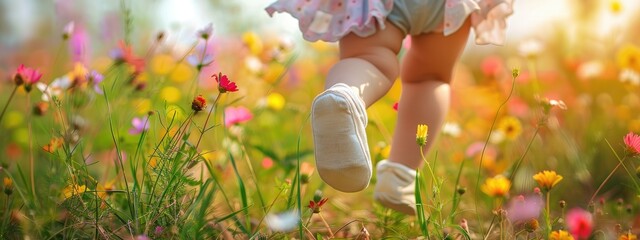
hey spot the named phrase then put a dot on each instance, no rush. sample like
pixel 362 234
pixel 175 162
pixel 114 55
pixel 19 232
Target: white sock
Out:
pixel 338 119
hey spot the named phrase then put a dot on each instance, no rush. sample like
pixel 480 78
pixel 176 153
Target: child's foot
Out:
pixel 338 119
pixel 395 187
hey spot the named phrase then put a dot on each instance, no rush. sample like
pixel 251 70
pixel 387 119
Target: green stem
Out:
pixel 547 217
pixel 4 109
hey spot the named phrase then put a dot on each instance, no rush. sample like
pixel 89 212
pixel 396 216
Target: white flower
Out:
pixel 590 70
pixel 451 129
pixel 282 222
pixel 55 89
pixel 631 76
pixel 530 48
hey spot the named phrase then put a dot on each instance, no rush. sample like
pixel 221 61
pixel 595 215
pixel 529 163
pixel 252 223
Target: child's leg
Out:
pixel 365 73
pixel 426 73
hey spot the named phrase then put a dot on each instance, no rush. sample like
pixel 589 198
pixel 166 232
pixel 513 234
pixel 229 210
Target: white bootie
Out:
pixel 338 119
pixel 395 187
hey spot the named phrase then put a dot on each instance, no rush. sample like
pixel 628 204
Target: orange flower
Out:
pixel 547 179
pixel 53 145
pixel 560 235
pixel 198 103
pixel 628 236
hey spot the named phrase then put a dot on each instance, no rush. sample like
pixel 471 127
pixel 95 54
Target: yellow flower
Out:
pixel 547 179
pixel 253 42
pixel 174 113
pixel 162 64
pixel 275 101
pixel 104 190
pixel 511 127
pixel 170 94
pixel 421 134
pixel 560 235
pixel 274 72
pixel 384 153
pixel 497 186
pixel 628 236
pixel 14 119
pixel 8 185
pixel 78 74
pixel 615 6
pixel 142 106
pixel 182 73
pixel 72 190
pixel 629 57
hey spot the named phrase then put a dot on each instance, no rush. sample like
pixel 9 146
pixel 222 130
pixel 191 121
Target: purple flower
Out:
pixel 139 125
pixel 524 208
pixel 96 78
pixel 206 32
pixel 78 44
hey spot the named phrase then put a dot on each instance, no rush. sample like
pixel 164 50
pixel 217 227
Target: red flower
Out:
pixel 633 143
pixel 395 106
pixel 315 206
pixel 198 103
pixel 124 54
pixel 25 75
pixel 224 85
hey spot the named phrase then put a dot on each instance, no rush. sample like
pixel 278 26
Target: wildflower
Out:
pixel 158 231
pixel 579 223
pixel 630 75
pixel 628 57
pixel 590 70
pixel 72 190
pixel 515 72
pixel 198 103
pixel 497 186
pixel 205 32
pixel 78 75
pixel 26 76
pixel 224 84
pixel 253 42
pixel 139 125
pixel 560 235
pixel 421 134
pixel 54 89
pixel 201 57
pixel 316 205
pixel 615 6
pixel 510 127
pixel 491 66
pixel 267 163
pixel 395 106
pixel 306 170
pixel 282 222
pixel 170 94
pixel 532 225
pixel 162 64
pixel 628 236
pixel 563 204
pixel 451 129
pixel 8 185
pixel 68 30
pixel 124 54
pixel 275 101
pixel 524 209
pixel 235 115
pixel 547 179
pixel 96 78
pixel 53 145
pixel 530 48
pixel 633 143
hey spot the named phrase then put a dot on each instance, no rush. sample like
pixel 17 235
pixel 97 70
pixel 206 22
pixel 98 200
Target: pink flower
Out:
pixel 491 66
pixel 224 84
pixel 580 223
pixel 139 125
pixel 25 75
pixel 267 163
pixel 633 143
pixel 523 208
pixel 236 115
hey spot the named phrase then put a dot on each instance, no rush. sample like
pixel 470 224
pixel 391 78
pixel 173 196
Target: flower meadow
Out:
pixel 157 135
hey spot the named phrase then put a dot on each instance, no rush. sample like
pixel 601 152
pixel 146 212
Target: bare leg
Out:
pixel 426 73
pixel 365 73
pixel 370 64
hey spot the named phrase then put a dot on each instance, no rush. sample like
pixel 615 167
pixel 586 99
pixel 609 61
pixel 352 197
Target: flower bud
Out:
pixel 531 225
